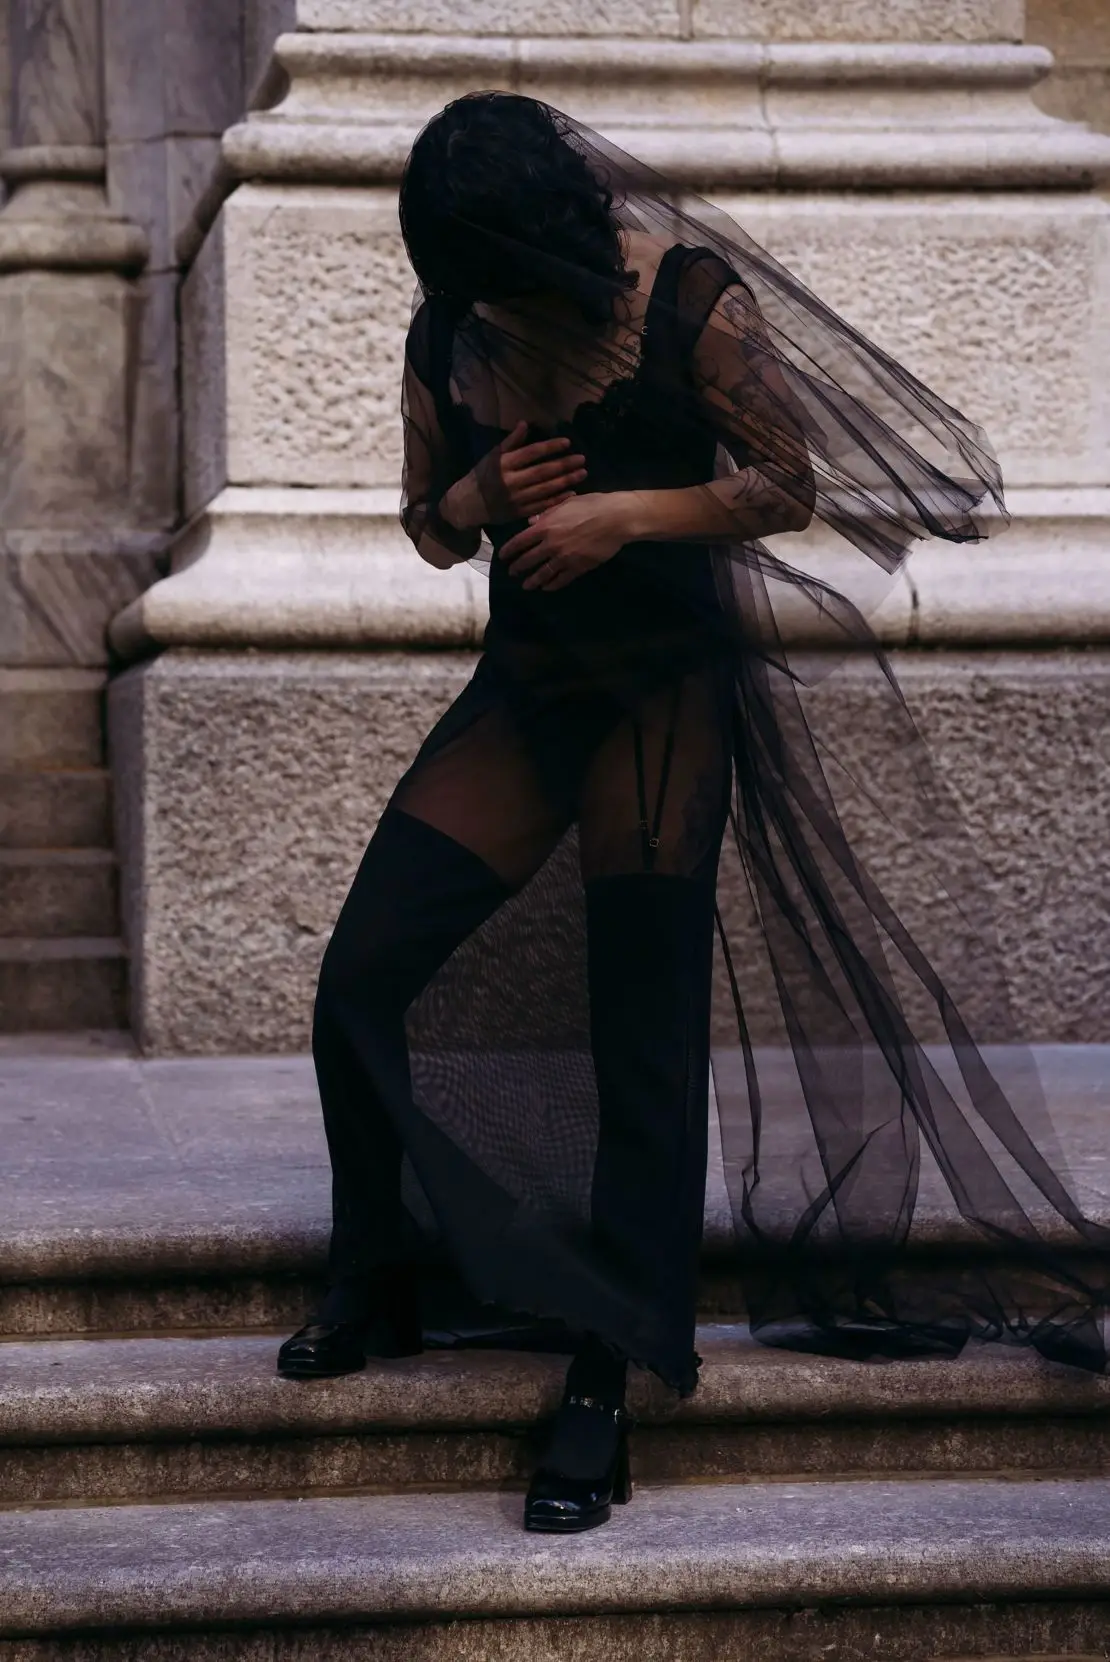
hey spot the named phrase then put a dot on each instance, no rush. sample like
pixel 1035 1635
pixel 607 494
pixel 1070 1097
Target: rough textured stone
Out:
pixel 204 372
pixel 50 892
pixel 47 986
pixel 51 718
pixel 258 895
pixel 497 17
pixel 297 306
pixel 115 1419
pixel 60 809
pixel 295 313
pixel 247 787
pixel 905 1634
pixel 705 1547
pixel 857 20
pixel 1000 304
pixel 194 1194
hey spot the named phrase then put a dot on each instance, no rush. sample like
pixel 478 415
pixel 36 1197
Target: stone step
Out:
pixel 194 1195
pixel 51 718
pixel 706 1572
pixel 64 985
pixel 47 893
pixel 115 1419
pixel 64 808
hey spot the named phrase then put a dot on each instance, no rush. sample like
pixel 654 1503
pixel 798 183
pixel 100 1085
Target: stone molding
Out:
pixel 810 115
pixel 93 244
pixel 307 569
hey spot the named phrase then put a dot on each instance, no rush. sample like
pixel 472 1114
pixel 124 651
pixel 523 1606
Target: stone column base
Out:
pixel 247 785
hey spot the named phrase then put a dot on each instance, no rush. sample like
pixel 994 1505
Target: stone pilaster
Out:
pixel 70 313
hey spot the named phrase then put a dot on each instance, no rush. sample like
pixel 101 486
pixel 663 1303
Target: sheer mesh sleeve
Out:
pixel 432 463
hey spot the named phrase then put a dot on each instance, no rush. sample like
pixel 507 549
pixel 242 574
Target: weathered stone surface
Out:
pixel 330 735
pixel 205 383
pixel 858 20
pixel 300 569
pixel 704 1547
pixel 1005 311
pixel 204 62
pixel 1078 34
pixel 51 718
pixel 195 1193
pixel 155 467
pixel 58 594
pixel 138 1418
pixel 50 892
pixel 50 986
pixel 56 78
pixel 64 349
pixel 247 788
pixel 1025 1632
pixel 496 17
pixel 263 22
pixel 62 808
pixel 295 312
pixel 134 71
pixel 862 115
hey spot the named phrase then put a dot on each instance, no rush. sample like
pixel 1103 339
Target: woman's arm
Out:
pixel 428 477
pixel 745 400
pixel 443 511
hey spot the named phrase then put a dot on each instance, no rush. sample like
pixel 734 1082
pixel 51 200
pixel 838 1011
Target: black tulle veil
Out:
pixel 864 1090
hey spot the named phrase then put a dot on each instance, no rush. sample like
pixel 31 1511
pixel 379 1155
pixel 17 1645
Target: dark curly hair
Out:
pixel 496 202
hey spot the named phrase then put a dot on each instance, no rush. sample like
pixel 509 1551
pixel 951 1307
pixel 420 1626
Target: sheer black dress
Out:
pixel 547 970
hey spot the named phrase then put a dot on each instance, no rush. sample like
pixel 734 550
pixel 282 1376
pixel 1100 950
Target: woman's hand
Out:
pixel 568 540
pixel 515 481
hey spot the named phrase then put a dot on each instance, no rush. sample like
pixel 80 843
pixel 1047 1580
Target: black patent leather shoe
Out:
pixel 324 1349
pixel 561 1505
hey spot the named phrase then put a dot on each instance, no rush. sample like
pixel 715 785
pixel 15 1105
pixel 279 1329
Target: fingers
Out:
pixel 528 455
pixel 529 503
pixel 525 478
pixel 514 439
pixel 521 543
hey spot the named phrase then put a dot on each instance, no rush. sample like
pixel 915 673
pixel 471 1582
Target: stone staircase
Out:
pixel 62 963
pixel 164 1495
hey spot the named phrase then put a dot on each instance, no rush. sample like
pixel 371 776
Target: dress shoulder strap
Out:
pixel 688 284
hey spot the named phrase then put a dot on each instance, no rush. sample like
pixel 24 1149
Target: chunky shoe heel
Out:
pixel 559 1504
pixel 622 1476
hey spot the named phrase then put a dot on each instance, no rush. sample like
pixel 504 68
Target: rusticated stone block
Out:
pixel 293 325
pixel 1001 304
pixel 248 785
pixel 957 21
pixel 295 313
pixel 496 17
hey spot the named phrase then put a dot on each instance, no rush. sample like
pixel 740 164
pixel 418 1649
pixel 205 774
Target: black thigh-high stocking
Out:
pixel 417 896
pixel 650 974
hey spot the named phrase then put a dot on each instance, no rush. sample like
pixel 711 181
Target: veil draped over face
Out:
pixel 866 1089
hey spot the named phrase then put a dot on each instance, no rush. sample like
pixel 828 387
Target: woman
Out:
pixel 622 399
